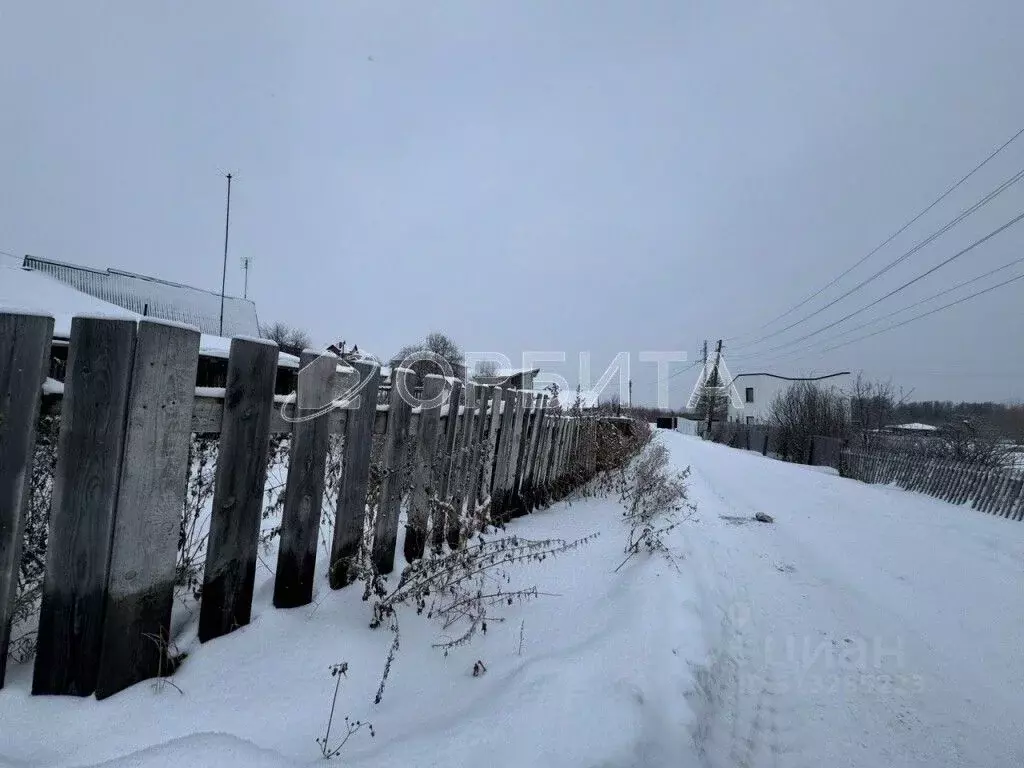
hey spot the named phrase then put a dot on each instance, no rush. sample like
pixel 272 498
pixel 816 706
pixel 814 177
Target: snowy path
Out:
pixel 866 627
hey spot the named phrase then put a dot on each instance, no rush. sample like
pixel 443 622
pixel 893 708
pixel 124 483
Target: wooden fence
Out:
pixel 128 410
pixel 994 490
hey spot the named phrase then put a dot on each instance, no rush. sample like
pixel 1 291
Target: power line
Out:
pixel 893 292
pixel 692 365
pixel 917 247
pixel 918 303
pixel 787 378
pixel 898 232
pixel 926 314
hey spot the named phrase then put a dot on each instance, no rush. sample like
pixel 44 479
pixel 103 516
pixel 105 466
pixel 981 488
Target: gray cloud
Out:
pixel 530 176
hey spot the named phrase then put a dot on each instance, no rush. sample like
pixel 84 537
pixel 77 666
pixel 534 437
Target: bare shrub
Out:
pixel 976 446
pixel 332 748
pixel 195 518
pixel 32 563
pixel 459 588
pixel 655 499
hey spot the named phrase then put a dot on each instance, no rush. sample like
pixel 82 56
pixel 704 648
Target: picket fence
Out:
pixel 994 490
pixel 128 411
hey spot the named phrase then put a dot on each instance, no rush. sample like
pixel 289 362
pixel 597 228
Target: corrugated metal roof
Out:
pixel 156 298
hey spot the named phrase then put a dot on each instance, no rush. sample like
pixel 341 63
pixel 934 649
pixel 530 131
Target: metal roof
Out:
pixel 153 297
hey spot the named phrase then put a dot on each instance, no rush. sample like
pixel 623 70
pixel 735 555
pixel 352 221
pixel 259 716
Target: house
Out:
pixel 753 398
pixel 752 401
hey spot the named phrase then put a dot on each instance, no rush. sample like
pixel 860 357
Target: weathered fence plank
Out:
pixel 89 450
pixel 530 420
pixel 304 490
pixel 501 454
pixel 541 465
pixel 238 488
pixel 147 523
pixel 460 463
pixel 24 361
pixel 548 453
pixel 425 465
pixel 385 535
pixel 990 490
pixel 350 512
pixel 477 463
pixel 445 468
pixel 516 450
pixel 525 483
pixel 490 454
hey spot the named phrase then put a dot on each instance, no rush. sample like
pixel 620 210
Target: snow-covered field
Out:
pixel 866 627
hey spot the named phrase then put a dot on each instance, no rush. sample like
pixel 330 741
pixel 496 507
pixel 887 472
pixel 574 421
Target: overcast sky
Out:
pixel 547 175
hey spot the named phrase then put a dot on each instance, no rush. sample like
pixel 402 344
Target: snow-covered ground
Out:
pixel 594 674
pixel 867 627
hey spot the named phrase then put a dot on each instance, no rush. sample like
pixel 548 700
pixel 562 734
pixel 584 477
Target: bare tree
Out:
pixel 803 410
pixel 872 403
pixel 485 368
pixel 287 337
pixel 441 345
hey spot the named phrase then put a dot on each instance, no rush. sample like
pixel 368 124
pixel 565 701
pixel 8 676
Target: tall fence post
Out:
pixel 241 475
pixel 304 489
pixel 24 361
pixel 147 523
pixel 84 499
pixel 385 536
pixel 350 512
pixel 424 489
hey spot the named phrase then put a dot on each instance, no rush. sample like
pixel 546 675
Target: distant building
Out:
pixel 153 297
pixel 914 428
pixel 65 290
pixel 756 394
pixel 515 378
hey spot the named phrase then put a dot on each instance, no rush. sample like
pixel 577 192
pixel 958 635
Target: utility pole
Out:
pixel 246 260
pixel 630 401
pixel 714 375
pixel 704 376
pixel 224 274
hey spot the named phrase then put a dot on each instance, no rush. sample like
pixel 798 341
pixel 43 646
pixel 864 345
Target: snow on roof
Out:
pixel 33 291
pixel 915 426
pixel 141 294
pixel 30 290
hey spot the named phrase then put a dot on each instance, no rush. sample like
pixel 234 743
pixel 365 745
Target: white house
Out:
pixel 754 395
